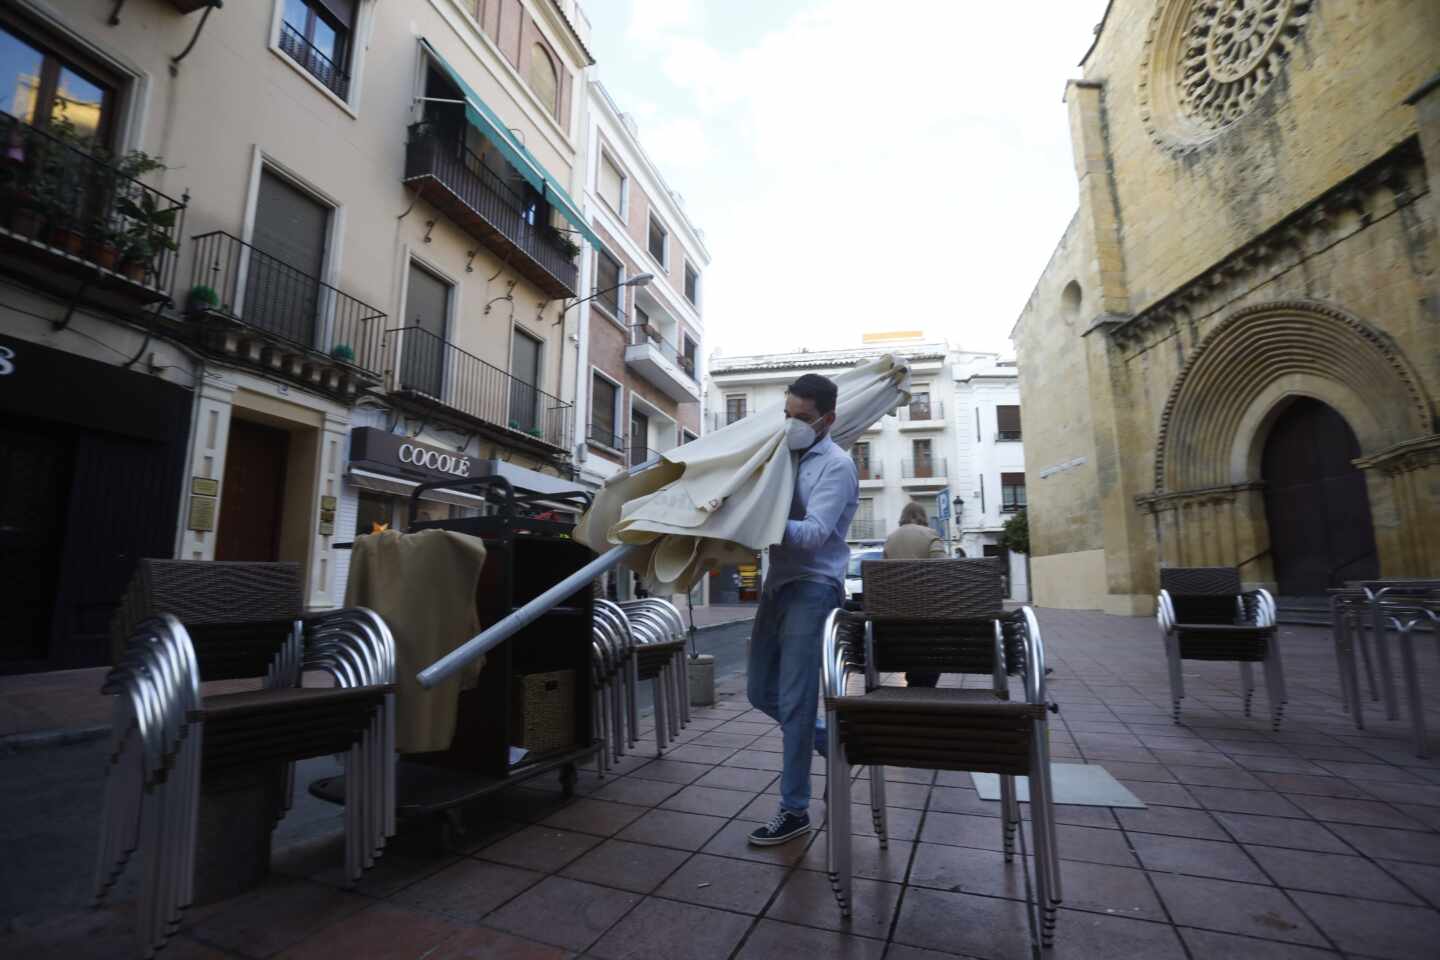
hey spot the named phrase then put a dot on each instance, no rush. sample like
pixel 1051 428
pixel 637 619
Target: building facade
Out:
pixel 346 275
pixel 636 387
pixel 955 449
pixel 1233 355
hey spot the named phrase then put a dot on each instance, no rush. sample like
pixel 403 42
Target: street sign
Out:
pixel 942 504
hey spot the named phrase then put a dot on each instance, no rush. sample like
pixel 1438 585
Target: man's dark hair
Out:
pixel 814 387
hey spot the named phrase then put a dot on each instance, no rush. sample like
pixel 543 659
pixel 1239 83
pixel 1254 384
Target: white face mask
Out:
pixel 799 435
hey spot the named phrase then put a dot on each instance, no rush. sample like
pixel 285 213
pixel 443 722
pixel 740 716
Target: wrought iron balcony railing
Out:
pixel 923 468
pixel 432 367
pixel 605 436
pixel 317 64
pixel 643 334
pixel 639 453
pixel 1003 436
pixel 476 198
pixel 870 470
pixel 923 410
pixel 267 294
pixel 76 206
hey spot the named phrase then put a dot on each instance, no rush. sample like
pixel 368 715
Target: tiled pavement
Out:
pixel 1315 841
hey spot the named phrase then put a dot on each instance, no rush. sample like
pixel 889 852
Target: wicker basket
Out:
pixel 543 705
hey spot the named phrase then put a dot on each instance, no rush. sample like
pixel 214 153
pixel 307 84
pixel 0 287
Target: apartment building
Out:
pixel 955 449
pixel 346 275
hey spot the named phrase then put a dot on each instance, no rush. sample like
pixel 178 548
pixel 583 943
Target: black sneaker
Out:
pixel 782 827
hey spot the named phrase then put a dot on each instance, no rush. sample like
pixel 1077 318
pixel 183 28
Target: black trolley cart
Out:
pixel 528 551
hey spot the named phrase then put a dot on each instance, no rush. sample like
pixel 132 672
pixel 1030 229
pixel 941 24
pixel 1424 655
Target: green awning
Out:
pixel 482 118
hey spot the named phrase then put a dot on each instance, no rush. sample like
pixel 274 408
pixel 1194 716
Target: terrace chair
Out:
pixel 659 632
pixel 1204 615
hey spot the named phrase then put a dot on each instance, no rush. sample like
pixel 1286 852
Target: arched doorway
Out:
pixel 1321 532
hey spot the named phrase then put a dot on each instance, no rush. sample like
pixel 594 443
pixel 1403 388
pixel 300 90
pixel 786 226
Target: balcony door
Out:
pixel 524 378
pixel 924 459
pixel 422 357
pixel 639 438
pixel 282 287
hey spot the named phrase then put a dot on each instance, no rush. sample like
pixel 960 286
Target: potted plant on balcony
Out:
pixel 201 300
pixel 343 352
pixel 148 237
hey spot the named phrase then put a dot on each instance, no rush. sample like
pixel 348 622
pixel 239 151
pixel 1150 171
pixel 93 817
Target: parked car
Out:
pixel 854 588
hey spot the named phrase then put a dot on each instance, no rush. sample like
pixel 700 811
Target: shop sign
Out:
pixel 406 457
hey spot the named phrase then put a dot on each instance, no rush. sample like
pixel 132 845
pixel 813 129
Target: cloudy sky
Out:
pixel 856 166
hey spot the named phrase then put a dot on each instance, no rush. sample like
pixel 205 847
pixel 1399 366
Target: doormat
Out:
pixel 1082 784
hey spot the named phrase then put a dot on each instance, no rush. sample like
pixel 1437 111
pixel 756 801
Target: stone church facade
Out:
pixel 1233 356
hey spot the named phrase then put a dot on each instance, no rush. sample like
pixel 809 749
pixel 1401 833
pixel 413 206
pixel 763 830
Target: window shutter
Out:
pixel 1012 479
pixel 612 183
pixel 342 10
pixel 1007 419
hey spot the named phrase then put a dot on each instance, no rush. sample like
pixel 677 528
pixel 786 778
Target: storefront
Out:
pixel 91 461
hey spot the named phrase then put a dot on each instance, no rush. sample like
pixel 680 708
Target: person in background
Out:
pixel 915 539
pixel 805 582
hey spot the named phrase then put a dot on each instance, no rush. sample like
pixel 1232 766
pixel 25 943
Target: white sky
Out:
pixel 854 169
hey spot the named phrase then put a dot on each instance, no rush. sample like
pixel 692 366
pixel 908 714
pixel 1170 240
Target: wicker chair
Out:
pixel 1204 615
pixel 944 616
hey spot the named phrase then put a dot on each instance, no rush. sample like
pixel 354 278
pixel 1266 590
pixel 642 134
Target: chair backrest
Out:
pixel 1202 594
pixel 933 590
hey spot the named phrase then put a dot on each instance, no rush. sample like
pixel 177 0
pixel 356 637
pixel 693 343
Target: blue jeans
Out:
pixel 784 680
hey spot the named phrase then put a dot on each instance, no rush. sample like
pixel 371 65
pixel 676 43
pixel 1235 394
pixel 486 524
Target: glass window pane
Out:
pixel 327 41
pixel 297 15
pixel 78 101
pixel 19 76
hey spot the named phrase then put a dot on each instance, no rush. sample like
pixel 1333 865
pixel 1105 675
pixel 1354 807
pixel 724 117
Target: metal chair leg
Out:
pixel 1382 655
pixel 1009 815
pixel 1405 637
pixel 1177 678
pixel 1247 685
pixel 879 817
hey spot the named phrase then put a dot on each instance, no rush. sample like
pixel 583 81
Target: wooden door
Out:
pixel 35 469
pixel 252 496
pixel 1321 531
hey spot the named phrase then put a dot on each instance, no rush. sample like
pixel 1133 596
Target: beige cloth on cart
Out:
pixel 719 499
pixel 423 584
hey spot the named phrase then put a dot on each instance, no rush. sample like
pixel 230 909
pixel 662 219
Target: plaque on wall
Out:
pixel 327 529
pixel 205 486
pixel 202 513
pixel 327 503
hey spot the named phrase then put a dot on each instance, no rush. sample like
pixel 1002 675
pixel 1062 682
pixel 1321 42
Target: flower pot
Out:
pixel 133 270
pixel 67 239
pixel 105 254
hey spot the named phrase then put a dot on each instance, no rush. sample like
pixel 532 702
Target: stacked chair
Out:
pixel 1399 605
pixel 636 641
pixel 168 739
pixel 659 632
pixel 941 616
pixel 1204 615
pixel 614 674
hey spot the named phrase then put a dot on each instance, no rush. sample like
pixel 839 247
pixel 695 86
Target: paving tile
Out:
pixel 638 791
pixel 763 807
pixel 1371 813
pixel 900 823
pixel 1172 821
pixel 1386 930
pixel 1085 936
pixel 963 923
pixel 539 848
pixel 563 912
pixel 590 815
pixel 1215 776
pixel 771 940
pixel 1162 794
pixel 382 932
pixel 1152 772
pixel 1249 828
pixel 1313 785
pixel 1402 793
pixel 1093 845
pixel 1279 765
pixel 1329 873
pixel 710 801
pixel 757 760
pixel 1423 878
pixel 638 867
pixel 961 800
pixel 698 753
pixel 663 928
pixel 1199 858
pixel 1385 844
pixel 280 914
pixel 717 739
pixel 468 890
pixel 391 873
pixel 1429 817
pixel 806 898
pixel 482 943
pixel 969 870
pixel 963 829
pixel 1266 802
pixel 867 858
pixel 1194 758
pixel 732 841
pixel 738 778
pixel 1076 815
pixel 1382 772
pixel 671 771
pixel 1225 946
pixel 1234 908
pixel 725 883
pixel 910 795
pixel 671 828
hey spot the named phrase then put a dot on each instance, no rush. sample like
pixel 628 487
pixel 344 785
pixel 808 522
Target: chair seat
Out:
pixel 1224 642
pixel 962 702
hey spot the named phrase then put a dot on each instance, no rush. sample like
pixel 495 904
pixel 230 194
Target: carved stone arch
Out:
pixel 1240 376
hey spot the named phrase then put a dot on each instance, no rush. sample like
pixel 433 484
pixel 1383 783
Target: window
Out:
pixel 639 438
pixel 686 436
pixel 862 527
pixel 316 35
pixel 422 350
pixel 734 409
pixel 604 412
pixel 289 236
pixel 524 385
pixel 1007 423
pixel 923 462
pixel 376 512
pixel 612 184
pixel 687 357
pixel 543 79
pixel 659 240
pixel 642 330
pixel 861 455
pixel 692 285
pixel 42 87
pixel 920 403
pixel 1012 492
pixel 607 279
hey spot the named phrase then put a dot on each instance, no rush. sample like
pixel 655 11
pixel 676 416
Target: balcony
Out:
pixel 81 226
pixel 431 370
pixel 865 530
pixel 923 472
pixel 602 436
pixel 657 360
pixel 253 307
pixel 319 66
pixel 1007 436
pixel 871 474
pixel 459 184
pixel 640 454
pixel 922 415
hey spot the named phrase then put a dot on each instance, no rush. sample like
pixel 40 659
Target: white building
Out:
pixel 955 449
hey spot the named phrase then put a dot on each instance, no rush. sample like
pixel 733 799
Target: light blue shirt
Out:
pixel 827 493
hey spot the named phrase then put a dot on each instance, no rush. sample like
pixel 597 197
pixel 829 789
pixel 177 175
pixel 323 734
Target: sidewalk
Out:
pixel 1318 841
pixel 720 615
